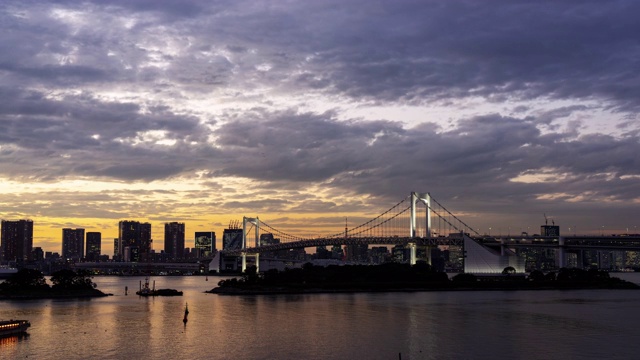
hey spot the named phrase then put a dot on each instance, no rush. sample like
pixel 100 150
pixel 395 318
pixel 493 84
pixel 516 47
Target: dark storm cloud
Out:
pixel 300 147
pixel 80 136
pixel 416 50
pixel 407 51
pixel 479 159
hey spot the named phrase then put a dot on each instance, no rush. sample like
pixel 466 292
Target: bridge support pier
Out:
pixel 256 223
pixel 412 253
pixel 562 253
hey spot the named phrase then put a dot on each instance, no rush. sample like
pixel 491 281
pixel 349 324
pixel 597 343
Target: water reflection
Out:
pixel 421 325
pixel 8 343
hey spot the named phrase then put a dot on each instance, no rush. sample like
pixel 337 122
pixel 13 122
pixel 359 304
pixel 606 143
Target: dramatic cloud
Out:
pixel 204 111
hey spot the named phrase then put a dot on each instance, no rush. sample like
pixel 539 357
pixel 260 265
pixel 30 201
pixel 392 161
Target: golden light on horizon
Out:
pixel 203 205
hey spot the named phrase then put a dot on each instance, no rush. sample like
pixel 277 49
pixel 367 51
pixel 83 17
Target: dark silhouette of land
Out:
pixel 403 277
pixel 31 284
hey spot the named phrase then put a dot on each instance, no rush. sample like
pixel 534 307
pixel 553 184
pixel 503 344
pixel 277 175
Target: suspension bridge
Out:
pixel 420 220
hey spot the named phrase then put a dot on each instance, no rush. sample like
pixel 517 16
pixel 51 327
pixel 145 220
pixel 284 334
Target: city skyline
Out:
pixel 75 241
pixel 306 113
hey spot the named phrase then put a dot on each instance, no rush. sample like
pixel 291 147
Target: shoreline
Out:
pixel 233 291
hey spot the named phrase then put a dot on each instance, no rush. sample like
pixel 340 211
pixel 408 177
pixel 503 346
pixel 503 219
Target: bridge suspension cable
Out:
pixel 281 234
pixel 394 222
pixel 358 229
pixel 455 217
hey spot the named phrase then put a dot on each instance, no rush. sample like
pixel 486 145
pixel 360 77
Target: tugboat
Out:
pixel 11 327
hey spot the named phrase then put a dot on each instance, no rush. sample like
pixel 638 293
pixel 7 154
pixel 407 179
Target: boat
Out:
pixel 11 327
pixel 147 290
pixel 6 271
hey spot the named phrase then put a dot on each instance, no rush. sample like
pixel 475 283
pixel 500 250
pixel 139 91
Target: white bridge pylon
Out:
pixel 426 199
pixel 256 224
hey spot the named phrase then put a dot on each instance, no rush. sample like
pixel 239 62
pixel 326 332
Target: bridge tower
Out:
pixel 256 224
pixel 426 199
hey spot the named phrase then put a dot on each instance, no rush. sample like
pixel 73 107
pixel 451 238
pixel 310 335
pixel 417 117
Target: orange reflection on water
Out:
pixel 10 343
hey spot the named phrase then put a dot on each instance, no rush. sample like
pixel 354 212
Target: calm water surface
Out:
pixel 424 325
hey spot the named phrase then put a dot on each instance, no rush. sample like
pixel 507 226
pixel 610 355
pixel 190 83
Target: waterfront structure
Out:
pixel 72 243
pixel 16 241
pixel 174 240
pixel 94 246
pixel 480 259
pixel 134 240
pixel 205 243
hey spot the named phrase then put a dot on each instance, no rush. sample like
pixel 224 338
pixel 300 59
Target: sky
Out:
pixel 306 112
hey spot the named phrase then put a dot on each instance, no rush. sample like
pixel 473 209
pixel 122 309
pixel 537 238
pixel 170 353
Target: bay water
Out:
pixel 572 324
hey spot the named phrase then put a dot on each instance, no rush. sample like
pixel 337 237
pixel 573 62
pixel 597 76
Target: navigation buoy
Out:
pixel 186 313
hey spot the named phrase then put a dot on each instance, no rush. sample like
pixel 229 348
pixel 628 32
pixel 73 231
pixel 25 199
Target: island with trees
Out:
pixel 404 277
pixel 31 284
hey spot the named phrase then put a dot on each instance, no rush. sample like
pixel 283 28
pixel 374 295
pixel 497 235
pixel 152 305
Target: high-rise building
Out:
pixel 205 243
pixel 94 246
pixel 337 252
pixel 400 253
pixel 72 244
pixel 38 254
pixel 550 230
pixel 232 239
pixel 16 240
pixel 268 239
pixel 357 252
pixel 174 240
pixel 134 238
pixel 145 238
